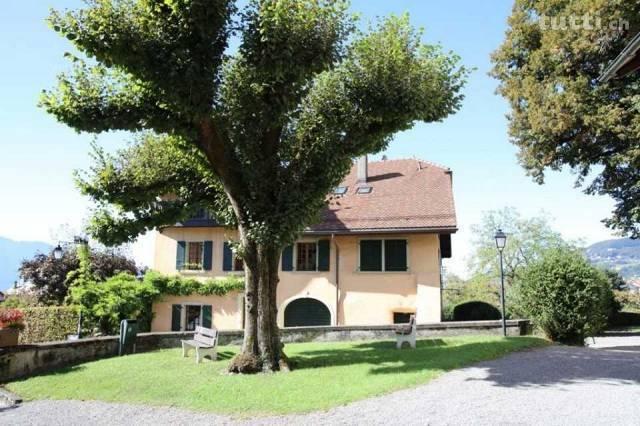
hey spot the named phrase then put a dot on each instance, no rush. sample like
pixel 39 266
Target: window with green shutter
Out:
pixel 371 255
pixel 206 316
pixel 383 255
pixel 176 317
pixel 324 251
pixel 287 258
pixel 395 255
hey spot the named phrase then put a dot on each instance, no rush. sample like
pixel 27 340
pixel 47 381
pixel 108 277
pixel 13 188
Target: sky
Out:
pixel 38 155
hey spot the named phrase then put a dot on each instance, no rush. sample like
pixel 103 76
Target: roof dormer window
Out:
pixel 340 190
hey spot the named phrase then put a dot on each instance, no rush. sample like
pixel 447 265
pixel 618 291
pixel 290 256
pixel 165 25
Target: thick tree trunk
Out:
pixel 261 348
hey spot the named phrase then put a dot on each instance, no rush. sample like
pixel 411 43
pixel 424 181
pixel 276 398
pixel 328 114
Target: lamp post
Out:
pixel 501 241
pixel 57 255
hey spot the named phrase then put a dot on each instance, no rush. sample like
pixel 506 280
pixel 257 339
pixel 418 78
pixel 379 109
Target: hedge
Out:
pixel 475 311
pixel 49 323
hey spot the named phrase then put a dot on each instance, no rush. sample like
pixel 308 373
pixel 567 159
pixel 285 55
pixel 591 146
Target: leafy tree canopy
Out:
pixel 560 114
pixel 274 125
pixel 49 275
pixel 527 239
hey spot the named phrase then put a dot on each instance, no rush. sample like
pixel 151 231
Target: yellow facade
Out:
pixel 351 296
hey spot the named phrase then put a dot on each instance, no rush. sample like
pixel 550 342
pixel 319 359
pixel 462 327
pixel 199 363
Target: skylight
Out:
pixel 340 190
pixel 364 190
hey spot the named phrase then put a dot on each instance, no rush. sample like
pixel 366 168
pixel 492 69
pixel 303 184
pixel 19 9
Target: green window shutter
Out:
pixel 206 316
pixel 324 250
pixel 445 246
pixel 176 314
pixel 371 255
pixel 287 258
pixel 180 254
pixel 227 257
pixel 207 255
pixel 395 255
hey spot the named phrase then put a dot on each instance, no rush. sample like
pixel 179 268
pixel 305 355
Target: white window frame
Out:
pixel 183 315
pixel 359 269
pixel 295 255
pixel 186 257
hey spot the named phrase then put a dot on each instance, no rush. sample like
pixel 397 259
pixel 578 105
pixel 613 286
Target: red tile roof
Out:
pixel 407 195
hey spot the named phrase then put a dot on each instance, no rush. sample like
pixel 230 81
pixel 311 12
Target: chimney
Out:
pixel 362 169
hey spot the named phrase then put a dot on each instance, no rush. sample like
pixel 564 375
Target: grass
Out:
pixel 326 375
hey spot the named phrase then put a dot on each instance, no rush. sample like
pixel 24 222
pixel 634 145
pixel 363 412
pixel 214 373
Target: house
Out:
pixel 374 258
pixel 627 62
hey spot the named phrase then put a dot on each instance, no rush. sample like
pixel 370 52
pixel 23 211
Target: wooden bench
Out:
pixel 204 342
pixel 407 333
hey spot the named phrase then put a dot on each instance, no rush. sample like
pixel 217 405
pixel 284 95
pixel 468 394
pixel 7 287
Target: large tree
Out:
pixel 527 239
pixel 561 115
pixel 258 134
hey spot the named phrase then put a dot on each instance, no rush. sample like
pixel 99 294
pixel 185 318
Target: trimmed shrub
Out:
pixel 476 311
pixel 625 319
pixel 565 296
pixel 48 323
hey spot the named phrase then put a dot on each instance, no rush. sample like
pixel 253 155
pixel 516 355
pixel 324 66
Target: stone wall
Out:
pixel 26 360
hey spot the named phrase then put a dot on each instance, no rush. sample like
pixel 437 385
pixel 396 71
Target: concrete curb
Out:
pixel 9 398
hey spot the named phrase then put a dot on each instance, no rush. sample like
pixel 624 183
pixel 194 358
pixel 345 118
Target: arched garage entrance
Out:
pixel 306 312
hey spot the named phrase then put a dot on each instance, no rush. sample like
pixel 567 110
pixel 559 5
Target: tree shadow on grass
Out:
pixel 430 354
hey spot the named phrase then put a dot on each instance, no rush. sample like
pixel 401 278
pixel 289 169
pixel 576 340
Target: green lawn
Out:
pixel 325 375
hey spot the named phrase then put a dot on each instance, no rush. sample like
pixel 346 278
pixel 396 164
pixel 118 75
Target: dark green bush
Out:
pixel 48 323
pixel 625 319
pixel 565 296
pixel 475 311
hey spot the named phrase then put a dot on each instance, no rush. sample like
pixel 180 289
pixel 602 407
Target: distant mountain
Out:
pixel 12 253
pixel 622 255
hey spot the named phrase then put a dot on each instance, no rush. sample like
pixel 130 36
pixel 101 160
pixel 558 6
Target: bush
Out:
pixel 625 319
pixel 49 323
pixel 105 304
pixel 475 311
pixel 565 296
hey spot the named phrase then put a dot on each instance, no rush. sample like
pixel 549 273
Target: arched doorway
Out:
pixel 306 312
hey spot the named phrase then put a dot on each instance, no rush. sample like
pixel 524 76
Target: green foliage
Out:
pixel 476 311
pixel 478 288
pixel 338 373
pixel 565 296
pixel 105 304
pixel 627 300
pixel 180 286
pixel 616 281
pixel 560 114
pixel 49 275
pixel 48 323
pixel 83 275
pixel 527 239
pixel 20 300
pixel 259 136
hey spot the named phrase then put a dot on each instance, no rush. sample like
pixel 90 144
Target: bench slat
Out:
pixel 206 331
pixel 209 341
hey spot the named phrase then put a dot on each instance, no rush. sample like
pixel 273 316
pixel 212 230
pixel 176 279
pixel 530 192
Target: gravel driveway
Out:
pixel 552 386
